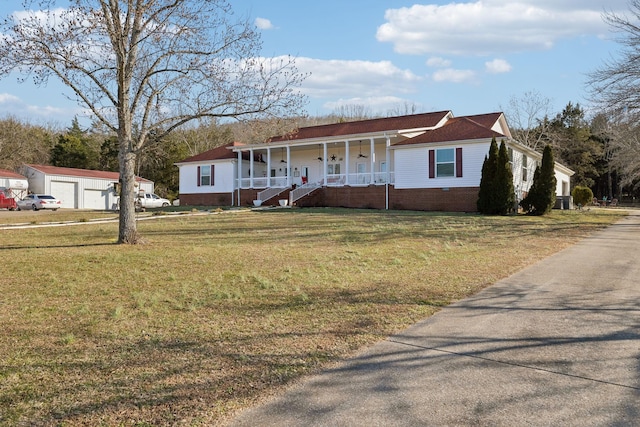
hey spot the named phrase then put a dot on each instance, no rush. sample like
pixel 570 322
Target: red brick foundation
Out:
pixel 202 199
pixel 435 199
pixel 371 197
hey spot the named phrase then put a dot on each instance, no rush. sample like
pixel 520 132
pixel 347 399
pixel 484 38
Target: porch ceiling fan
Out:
pixel 282 160
pixel 361 156
pixel 319 155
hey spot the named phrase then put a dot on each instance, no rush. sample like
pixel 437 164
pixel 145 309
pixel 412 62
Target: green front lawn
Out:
pixel 217 311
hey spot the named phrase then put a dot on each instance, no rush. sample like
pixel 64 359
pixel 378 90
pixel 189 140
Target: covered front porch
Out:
pixel 303 167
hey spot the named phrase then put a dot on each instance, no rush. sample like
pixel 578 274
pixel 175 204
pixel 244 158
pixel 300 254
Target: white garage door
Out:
pixel 65 192
pixel 96 199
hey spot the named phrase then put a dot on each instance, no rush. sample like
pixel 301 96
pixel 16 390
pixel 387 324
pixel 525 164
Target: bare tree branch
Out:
pixel 528 118
pixel 148 67
pixel 615 88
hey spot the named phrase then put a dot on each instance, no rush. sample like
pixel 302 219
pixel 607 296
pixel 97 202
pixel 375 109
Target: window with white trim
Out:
pixel 205 175
pixel 445 162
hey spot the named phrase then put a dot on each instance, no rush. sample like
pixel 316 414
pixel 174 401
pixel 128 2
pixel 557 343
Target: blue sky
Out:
pixel 470 57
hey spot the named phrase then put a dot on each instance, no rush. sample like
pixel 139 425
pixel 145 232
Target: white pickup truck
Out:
pixel 150 200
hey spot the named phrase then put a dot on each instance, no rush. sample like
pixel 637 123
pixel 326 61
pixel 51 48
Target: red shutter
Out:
pixel 198 176
pixel 459 162
pixel 212 175
pixel 432 164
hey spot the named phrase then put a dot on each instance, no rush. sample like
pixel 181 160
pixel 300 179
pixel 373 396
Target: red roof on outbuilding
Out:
pixel 83 173
pixel 4 173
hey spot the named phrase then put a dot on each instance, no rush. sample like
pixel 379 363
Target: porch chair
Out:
pixel 614 203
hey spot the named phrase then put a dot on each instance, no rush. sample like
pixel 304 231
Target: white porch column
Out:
pixel 372 156
pixel 324 162
pixel 287 166
pixel 269 183
pixel 251 167
pixel 346 161
pixel 239 174
pixel 387 172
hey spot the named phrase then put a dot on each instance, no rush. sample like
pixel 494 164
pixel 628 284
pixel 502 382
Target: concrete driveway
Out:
pixel 557 344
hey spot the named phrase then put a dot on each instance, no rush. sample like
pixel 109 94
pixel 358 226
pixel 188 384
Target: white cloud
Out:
pixel 11 105
pixel 491 26
pixel 451 75
pixel 350 79
pixel 7 98
pixel 264 24
pixel 375 104
pixel 497 66
pixel 437 62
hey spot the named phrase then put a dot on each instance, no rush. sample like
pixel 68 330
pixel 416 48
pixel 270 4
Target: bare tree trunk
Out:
pixel 147 68
pixel 128 232
pixel 609 183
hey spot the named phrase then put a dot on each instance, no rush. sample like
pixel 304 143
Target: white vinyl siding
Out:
pixel 411 167
pixel 224 177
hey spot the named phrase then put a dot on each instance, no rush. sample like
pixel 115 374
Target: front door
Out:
pixel 361 169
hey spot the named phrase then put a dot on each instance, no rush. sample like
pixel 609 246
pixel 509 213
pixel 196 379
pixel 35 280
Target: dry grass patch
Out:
pixel 215 312
pixel 48 216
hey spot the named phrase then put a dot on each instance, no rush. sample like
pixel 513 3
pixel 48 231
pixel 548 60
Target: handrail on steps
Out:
pixel 301 191
pixel 270 192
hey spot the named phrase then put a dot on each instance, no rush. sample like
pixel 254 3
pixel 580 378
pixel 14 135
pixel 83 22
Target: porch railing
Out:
pixel 279 184
pixel 270 192
pixel 262 182
pixel 335 180
pixel 301 191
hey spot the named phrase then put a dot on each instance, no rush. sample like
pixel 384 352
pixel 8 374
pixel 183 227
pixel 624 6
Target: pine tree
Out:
pixel 542 194
pixel 505 196
pixel 74 149
pixel 486 194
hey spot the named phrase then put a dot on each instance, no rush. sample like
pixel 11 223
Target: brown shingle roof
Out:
pixel 83 173
pixel 459 129
pixel 486 120
pixel 425 120
pixel 217 153
pixel 4 173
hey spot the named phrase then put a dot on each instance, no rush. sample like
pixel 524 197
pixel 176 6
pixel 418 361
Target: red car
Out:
pixel 7 202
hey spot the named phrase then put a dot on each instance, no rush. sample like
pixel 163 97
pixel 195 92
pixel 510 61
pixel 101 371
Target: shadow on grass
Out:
pixel 448 372
pixel 78 245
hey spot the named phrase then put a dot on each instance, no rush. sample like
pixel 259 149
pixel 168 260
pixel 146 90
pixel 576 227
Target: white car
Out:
pixel 39 201
pixel 150 200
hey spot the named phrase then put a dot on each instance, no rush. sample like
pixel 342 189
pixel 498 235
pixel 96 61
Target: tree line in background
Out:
pixel 603 150
pixel 96 148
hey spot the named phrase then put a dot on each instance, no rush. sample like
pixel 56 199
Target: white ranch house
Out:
pixel 430 161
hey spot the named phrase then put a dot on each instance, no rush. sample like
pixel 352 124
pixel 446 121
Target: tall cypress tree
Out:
pixel 542 194
pixel 505 196
pixel 486 194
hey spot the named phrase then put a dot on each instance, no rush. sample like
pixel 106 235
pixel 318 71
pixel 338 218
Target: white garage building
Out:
pixel 78 188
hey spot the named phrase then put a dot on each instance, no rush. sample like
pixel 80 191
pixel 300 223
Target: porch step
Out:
pixel 302 191
pixel 271 192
